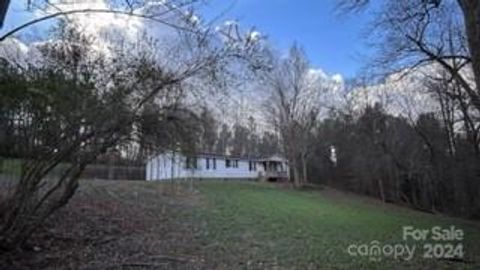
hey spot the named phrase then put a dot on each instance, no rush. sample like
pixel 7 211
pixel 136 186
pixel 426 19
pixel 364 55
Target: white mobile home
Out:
pixel 175 165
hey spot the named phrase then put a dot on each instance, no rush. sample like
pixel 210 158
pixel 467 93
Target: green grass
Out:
pixel 229 225
pixel 10 166
pixel 256 225
pixel 13 166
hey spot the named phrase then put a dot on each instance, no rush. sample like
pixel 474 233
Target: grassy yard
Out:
pixel 227 225
pixel 265 226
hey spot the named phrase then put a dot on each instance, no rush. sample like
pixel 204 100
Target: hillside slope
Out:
pixel 228 225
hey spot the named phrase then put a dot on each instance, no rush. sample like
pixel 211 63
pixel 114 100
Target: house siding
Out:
pixel 172 166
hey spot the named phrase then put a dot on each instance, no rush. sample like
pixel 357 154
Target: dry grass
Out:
pixel 115 225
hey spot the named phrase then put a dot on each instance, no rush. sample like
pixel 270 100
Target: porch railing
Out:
pixel 274 174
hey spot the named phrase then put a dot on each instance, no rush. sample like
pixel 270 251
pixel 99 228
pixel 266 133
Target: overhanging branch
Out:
pixel 88 10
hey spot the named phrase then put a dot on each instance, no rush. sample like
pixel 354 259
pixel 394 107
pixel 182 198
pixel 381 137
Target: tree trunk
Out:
pixel 304 169
pixel 381 190
pixel 111 167
pixel 296 176
pixel 471 13
pixel 297 182
pixel 3 11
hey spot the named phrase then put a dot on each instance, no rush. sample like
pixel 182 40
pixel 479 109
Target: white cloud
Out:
pixel 104 27
pixel 401 94
pixel 338 78
pixel 254 36
pixel 319 74
pixel 15 51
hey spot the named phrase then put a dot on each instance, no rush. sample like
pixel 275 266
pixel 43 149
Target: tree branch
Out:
pixel 88 10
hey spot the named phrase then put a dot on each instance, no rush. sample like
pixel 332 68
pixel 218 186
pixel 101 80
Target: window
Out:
pixel 252 166
pixel 207 165
pixel 214 163
pixel 230 163
pixel 191 163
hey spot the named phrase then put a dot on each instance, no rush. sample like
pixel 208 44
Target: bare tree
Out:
pixel 292 108
pixel 471 14
pixel 421 32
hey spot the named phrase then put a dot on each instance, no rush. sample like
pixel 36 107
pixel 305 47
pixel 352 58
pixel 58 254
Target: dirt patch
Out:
pixel 116 225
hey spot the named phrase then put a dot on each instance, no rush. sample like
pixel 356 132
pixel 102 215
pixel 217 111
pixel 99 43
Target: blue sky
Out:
pixel 334 43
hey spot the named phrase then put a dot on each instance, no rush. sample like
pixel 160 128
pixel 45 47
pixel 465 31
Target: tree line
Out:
pixel 395 160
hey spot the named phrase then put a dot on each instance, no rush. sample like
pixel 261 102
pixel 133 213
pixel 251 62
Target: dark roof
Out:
pixel 244 157
pixel 206 154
